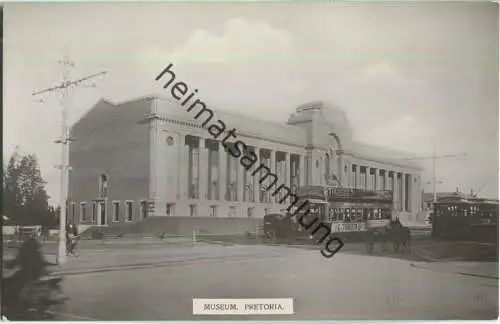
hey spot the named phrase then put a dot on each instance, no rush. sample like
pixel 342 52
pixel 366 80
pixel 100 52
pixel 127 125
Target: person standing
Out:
pixel 71 236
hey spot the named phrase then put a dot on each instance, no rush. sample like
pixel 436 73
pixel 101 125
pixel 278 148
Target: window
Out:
pixel 94 213
pixel 306 169
pixel 129 211
pixel 249 211
pixel 144 209
pixel 103 186
pixel 192 210
pixel 332 216
pixel 103 213
pixel 116 211
pixel 213 211
pixel 83 212
pixel 170 209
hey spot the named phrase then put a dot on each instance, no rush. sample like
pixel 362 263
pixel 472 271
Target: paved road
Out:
pixel 345 287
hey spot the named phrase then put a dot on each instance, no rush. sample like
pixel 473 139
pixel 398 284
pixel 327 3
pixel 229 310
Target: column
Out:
pixel 308 165
pixel 403 192
pixel 272 167
pixel 409 193
pixel 256 178
pixel 341 167
pixel 375 179
pixel 302 171
pixel 386 180
pixel 358 176
pixel 202 169
pixel 395 188
pixel 369 178
pixel 183 169
pixel 222 181
pixel 321 179
pixel 348 178
pixel 288 177
pixel 240 181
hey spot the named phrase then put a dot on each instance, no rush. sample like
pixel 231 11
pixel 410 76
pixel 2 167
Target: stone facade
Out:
pixel 152 149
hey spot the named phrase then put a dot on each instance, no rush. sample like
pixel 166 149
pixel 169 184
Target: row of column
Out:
pixel 209 172
pixel 380 179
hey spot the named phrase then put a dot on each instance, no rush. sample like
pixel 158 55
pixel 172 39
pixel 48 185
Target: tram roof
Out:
pixel 471 201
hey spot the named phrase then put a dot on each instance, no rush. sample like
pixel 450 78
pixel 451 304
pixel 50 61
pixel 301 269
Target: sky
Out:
pixel 410 76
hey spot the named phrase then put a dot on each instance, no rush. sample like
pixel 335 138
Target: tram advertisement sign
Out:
pixel 348 227
pixel 349 193
pixel 341 193
pixel 376 223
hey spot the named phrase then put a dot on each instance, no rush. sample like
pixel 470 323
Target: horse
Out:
pixel 393 232
pixel 401 237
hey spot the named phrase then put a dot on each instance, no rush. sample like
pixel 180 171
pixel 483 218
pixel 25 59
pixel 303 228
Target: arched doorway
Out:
pixel 335 160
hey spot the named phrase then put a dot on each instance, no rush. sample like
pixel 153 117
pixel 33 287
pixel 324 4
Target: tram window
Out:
pixel 359 214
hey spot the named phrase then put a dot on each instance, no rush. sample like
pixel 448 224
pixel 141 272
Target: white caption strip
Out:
pixel 272 306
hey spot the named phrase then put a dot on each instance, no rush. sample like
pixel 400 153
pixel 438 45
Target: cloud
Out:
pixel 382 73
pixel 406 133
pixel 242 41
pixel 255 60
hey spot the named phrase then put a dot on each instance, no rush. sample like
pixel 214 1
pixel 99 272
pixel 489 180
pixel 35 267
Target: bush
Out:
pixel 97 235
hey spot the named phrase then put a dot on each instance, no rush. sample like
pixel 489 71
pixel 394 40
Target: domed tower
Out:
pixel 328 132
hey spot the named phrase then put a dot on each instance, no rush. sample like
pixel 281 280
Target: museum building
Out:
pixel 149 157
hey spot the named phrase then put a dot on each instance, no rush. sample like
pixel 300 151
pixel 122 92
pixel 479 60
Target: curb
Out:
pixel 455 272
pixel 431 259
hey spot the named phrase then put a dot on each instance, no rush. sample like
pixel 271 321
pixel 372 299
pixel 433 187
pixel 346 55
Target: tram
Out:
pixel 347 210
pixel 466 219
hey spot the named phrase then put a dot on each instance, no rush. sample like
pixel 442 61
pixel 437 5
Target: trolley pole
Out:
pixel 434 192
pixel 434 157
pixel 64 89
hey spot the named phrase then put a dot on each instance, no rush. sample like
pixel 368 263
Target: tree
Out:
pixel 25 198
pixel 11 193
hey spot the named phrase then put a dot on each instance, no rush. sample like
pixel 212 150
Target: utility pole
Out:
pixel 64 89
pixel 434 157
